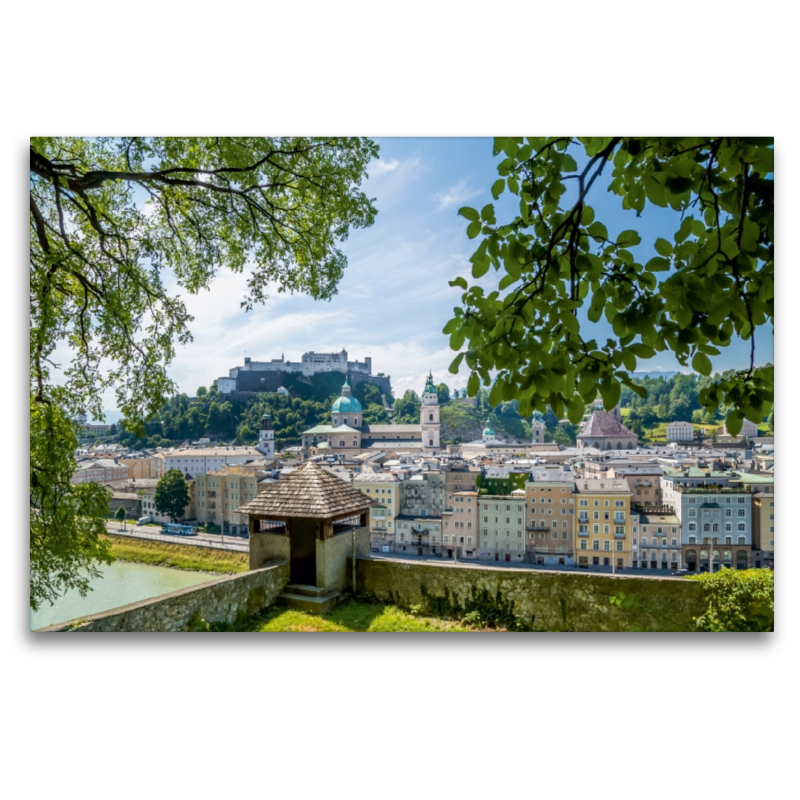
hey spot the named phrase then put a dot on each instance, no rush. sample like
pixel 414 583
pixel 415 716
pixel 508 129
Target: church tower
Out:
pixel 429 416
pixel 266 437
pixel 537 428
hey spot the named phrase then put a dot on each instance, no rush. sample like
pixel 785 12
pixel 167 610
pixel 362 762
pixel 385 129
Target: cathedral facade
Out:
pixel 349 435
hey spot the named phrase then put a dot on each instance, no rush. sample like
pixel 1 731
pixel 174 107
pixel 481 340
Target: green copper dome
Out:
pixel 488 430
pixel 429 387
pixel 538 416
pixel 346 404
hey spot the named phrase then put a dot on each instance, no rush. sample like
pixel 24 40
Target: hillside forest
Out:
pixel 236 420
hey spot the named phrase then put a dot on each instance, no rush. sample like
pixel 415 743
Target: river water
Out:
pixel 123 582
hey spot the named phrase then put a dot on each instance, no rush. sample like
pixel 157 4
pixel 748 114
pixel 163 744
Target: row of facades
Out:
pixel 670 521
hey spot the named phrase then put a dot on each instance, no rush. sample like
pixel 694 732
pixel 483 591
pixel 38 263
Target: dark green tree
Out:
pixel 406 408
pixel 560 436
pixel 66 519
pixel 120 514
pixel 443 393
pixel 172 494
pixel 713 281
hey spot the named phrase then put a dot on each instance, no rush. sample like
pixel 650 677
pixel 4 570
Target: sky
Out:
pixel 394 298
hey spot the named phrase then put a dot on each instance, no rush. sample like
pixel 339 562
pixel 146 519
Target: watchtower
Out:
pixel 315 520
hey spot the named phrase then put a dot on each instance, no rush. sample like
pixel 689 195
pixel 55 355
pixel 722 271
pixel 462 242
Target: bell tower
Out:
pixel 429 416
pixel 266 437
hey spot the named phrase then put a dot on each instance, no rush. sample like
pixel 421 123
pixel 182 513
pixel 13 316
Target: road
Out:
pixel 210 540
pixel 468 562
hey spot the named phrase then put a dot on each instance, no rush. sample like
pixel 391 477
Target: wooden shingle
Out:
pixel 309 491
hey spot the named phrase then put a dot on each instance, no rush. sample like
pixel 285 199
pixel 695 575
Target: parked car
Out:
pixel 143 520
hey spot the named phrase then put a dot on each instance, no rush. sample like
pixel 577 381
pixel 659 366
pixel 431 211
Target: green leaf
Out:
pixel 598 230
pixel 701 364
pixel 459 282
pixel 470 213
pixel 733 422
pixel 452 326
pixel 663 247
pixel 456 363
pixel 473 229
pixel 657 264
pixel 642 350
pixel 473 384
pixel 498 187
pixel 628 239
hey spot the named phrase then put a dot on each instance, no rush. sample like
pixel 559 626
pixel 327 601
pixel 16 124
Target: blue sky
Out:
pixel 394 297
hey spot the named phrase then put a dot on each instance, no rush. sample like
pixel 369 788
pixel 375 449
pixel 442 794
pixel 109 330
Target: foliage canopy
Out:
pixel 713 281
pixel 172 494
pixel 117 224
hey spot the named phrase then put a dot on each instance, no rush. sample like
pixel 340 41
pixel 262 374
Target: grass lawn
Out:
pixel 351 616
pixel 202 559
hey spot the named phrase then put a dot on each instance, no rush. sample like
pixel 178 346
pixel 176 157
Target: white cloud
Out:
pixel 384 166
pixel 457 193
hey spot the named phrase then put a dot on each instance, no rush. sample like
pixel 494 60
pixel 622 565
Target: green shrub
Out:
pixel 738 600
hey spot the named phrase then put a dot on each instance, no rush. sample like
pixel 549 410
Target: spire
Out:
pixel 346 388
pixel 429 387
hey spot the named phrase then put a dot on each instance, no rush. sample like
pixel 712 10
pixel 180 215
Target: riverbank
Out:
pixel 198 559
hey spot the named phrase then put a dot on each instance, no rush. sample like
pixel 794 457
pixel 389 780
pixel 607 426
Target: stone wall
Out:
pixel 333 555
pixel 217 601
pixel 541 600
pixel 268 547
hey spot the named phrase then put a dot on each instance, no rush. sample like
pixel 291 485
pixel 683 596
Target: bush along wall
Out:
pixel 737 600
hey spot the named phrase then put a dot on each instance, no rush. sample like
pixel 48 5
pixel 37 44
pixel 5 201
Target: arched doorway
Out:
pixel 741 559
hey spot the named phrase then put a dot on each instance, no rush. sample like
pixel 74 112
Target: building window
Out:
pixel 595 544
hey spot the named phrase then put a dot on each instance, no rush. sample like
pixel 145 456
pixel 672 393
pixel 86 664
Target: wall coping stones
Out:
pixel 173 599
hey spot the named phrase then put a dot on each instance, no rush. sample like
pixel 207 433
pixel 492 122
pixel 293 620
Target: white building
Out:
pixel 197 461
pixel 99 470
pixel 680 432
pixel 501 527
pixel 748 429
pixel 715 515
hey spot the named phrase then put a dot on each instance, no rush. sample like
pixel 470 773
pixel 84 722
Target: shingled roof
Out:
pixel 310 491
pixel 601 423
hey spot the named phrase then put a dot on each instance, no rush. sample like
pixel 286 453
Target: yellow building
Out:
pixel 218 494
pixel 603 525
pixel 763 521
pixel 385 488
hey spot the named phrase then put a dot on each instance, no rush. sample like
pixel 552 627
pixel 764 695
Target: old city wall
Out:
pixel 545 601
pixel 217 601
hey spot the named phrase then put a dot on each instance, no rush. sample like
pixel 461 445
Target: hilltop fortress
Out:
pixel 267 376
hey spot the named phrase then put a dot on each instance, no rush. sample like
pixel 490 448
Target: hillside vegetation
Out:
pixel 237 421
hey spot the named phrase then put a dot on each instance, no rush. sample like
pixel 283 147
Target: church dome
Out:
pixel 429 387
pixel 346 404
pixel 538 416
pixel 488 431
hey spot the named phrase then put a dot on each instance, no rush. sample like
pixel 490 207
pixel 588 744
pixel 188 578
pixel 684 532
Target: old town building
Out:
pixel 604 522
pixel 550 525
pixel 501 521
